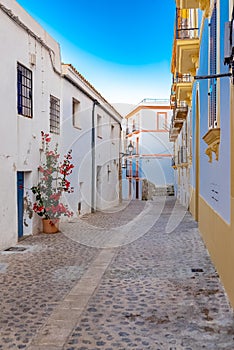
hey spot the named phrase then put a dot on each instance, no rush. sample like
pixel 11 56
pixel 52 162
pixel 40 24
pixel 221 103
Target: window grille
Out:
pixel 24 91
pixel 54 115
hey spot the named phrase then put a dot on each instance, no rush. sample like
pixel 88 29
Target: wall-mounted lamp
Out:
pixel 129 151
pixel 130 148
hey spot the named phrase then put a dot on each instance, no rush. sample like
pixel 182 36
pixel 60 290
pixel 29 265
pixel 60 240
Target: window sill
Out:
pixel 212 139
pixel 77 127
pixel 25 116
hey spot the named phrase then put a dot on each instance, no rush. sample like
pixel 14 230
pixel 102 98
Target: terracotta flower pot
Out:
pixel 50 225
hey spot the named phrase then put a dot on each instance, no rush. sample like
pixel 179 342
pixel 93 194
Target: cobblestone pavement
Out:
pixel 136 278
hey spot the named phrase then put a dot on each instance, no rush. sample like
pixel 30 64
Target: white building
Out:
pixel 38 93
pixel 149 164
pixel 92 129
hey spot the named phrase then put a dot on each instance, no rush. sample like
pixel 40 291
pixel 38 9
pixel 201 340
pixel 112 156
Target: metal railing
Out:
pixel 187 33
pixel 182 78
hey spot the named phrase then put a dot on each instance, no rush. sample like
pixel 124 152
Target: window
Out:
pixel 128 168
pixel 213 69
pixel 24 91
pixel 75 113
pixel 99 126
pixel 112 133
pixel 137 145
pixel 161 123
pixel 54 115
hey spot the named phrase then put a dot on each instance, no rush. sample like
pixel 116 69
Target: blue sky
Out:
pixel 123 48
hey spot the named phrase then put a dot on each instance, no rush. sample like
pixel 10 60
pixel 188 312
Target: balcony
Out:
pixel 173 133
pixel 180 113
pixel 194 4
pixel 183 87
pixel 187 41
pixel 173 94
pixel 173 100
pixel 187 53
pixel 187 4
pixel 175 128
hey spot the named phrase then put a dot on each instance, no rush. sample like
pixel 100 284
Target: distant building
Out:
pixel 39 93
pixel 202 124
pixel 148 166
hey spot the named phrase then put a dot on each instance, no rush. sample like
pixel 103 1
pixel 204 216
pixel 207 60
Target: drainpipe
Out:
pixel 120 167
pixel 93 177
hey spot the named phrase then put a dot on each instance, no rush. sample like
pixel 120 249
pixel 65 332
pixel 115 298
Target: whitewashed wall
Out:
pixel 20 137
pixel 107 146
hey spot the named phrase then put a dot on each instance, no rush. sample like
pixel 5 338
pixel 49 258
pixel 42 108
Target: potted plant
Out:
pixel 52 184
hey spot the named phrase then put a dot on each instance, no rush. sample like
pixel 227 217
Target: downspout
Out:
pixel 120 167
pixel 93 177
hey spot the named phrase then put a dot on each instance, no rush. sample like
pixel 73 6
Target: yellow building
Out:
pixel 202 127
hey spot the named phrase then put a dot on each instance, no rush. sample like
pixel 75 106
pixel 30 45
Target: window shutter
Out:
pixel 213 66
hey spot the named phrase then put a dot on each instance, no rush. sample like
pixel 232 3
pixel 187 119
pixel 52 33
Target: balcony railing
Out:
pixel 173 100
pixel 186 24
pixel 182 78
pixel 173 133
pixel 181 111
pixel 187 33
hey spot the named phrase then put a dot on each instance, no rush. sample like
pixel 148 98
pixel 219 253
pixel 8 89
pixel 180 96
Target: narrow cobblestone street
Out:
pixel 138 277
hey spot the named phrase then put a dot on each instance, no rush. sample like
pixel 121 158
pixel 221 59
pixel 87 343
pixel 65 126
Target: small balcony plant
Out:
pixel 51 186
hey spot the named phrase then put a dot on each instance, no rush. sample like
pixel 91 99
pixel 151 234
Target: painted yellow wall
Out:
pixel 219 239
pixel 192 205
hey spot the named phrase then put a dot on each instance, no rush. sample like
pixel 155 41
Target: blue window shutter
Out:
pixel 213 66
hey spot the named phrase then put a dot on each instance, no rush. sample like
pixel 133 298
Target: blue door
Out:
pixel 20 202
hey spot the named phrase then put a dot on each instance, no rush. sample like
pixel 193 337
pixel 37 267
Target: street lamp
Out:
pixel 129 151
pixel 130 148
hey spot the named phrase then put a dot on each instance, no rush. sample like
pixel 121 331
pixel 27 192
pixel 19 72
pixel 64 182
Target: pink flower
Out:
pixel 52 183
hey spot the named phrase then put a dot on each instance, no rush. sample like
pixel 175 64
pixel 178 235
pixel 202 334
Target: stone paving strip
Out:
pixel 64 318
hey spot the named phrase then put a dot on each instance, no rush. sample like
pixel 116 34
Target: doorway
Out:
pixel 20 203
pixel 98 187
